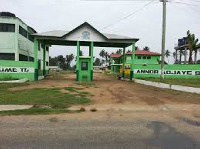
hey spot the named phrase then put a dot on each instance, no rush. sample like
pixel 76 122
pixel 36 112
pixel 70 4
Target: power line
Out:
pixel 138 10
pixel 185 3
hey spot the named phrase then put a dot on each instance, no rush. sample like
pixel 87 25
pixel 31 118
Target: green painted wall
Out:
pixel 14 64
pixel 184 69
pixel 114 68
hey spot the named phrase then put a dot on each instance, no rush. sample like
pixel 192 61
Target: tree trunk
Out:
pixel 195 57
pixel 190 57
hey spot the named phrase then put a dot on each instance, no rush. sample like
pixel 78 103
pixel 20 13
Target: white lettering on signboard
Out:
pixel 167 72
pixel 16 70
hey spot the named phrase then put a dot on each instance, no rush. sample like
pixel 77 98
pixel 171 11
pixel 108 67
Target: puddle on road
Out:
pixel 189 121
pixel 166 137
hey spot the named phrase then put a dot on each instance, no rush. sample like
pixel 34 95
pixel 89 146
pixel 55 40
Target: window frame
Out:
pixel 5 27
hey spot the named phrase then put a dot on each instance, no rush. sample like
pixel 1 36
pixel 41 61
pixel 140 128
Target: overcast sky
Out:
pixel 45 15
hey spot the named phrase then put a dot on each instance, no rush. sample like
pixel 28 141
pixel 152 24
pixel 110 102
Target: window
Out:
pixel 31 59
pixel 7 56
pixel 148 57
pixel 30 37
pixel 39 64
pixel 139 57
pixel 23 32
pixel 84 66
pixel 47 63
pixel 144 57
pixel 128 58
pixel 4 27
pixel 23 57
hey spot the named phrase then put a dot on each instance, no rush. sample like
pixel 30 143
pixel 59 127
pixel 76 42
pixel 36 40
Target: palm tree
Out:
pixel 193 46
pixel 167 54
pixel 102 54
pixel 107 57
pixel 146 48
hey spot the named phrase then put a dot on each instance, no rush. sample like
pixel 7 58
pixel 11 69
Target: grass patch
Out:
pixel 73 89
pixel 35 111
pixel 192 82
pixel 86 84
pixel 52 97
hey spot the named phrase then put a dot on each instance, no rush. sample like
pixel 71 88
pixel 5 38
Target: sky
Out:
pixel 145 24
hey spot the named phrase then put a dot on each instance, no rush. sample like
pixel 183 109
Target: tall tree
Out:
pixel 167 54
pixel 69 59
pixel 193 46
pixel 107 57
pixel 53 61
pixel 61 61
pixel 97 62
pixel 146 48
pixel 102 54
pixel 174 56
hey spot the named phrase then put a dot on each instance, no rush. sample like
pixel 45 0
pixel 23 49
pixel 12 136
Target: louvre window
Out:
pixel 4 27
pixel 7 56
pixel 31 59
pixel 23 57
pixel 148 57
pixel 30 37
pixel 23 32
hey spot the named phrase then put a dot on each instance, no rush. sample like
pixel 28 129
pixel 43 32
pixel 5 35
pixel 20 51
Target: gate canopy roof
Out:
pixel 85 33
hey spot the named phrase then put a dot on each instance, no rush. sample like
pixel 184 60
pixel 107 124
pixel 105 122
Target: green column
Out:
pixel 77 61
pixel 124 62
pixel 92 59
pixel 44 61
pixel 36 59
pixel 132 61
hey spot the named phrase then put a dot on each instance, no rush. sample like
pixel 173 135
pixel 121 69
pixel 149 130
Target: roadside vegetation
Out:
pixel 44 100
pixel 195 82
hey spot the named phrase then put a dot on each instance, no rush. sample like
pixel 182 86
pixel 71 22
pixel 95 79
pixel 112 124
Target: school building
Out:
pixel 17 49
pixel 141 57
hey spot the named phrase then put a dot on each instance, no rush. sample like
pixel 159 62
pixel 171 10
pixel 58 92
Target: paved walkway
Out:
pixel 14 107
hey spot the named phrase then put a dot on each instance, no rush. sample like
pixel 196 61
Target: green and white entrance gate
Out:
pixel 83 35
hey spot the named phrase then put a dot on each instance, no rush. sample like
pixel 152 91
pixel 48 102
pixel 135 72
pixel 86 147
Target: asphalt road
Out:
pixel 95 130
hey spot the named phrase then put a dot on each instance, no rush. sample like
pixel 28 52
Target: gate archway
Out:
pixel 83 35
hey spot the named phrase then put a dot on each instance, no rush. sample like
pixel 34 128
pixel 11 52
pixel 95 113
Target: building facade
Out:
pixel 141 57
pixel 17 44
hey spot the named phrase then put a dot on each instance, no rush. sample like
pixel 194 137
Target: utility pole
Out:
pixel 163 39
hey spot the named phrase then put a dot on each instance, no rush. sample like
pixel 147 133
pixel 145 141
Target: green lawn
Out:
pixel 185 82
pixel 51 97
pixel 35 111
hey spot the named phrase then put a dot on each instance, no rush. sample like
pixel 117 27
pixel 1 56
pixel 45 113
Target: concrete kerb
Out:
pixel 169 86
pixel 15 81
pixel 14 107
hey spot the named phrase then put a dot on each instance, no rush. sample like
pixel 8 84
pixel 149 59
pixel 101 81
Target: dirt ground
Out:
pixel 107 89
pixel 128 115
